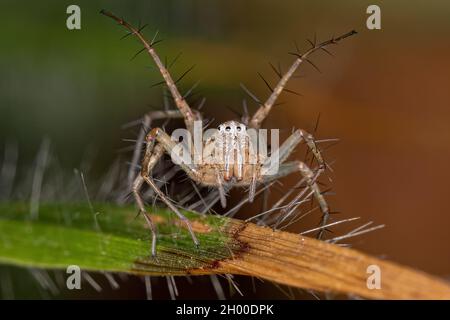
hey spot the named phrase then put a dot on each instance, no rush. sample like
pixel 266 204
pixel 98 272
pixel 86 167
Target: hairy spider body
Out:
pixel 229 157
pixel 226 157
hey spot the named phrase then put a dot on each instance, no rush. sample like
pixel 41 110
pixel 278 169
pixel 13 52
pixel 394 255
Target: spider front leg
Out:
pixel 146 124
pixel 188 115
pixel 310 178
pixel 159 142
pixel 152 155
pixel 264 110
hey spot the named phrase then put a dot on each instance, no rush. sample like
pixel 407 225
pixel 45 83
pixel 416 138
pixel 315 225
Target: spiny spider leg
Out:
pixel 294 166
pixel 163 197
pixel 152 156
pixel 283 153
pixel 292 204
pixel 159 142
pixel 264 110
pixel 289 145
pixel 146 125
pixel 188 114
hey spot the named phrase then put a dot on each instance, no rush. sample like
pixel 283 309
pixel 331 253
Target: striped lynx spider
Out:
pixel 232 141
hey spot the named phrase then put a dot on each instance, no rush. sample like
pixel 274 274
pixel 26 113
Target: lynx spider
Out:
pixel 238 173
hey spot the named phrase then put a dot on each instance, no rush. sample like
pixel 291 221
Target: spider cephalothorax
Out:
pixel 229 151
pixel 228 157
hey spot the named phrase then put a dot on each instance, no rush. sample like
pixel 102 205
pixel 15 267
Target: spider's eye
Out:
pixel 228 128
pixel 238 128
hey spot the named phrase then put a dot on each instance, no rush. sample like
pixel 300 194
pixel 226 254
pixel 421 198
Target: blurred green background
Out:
pixel 385 94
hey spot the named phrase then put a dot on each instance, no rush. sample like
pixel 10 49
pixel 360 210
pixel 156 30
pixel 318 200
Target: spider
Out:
pixel 232 140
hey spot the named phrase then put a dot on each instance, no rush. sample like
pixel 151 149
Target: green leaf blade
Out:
pixel 110 238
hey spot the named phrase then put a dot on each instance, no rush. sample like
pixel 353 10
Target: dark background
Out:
pixel 385 94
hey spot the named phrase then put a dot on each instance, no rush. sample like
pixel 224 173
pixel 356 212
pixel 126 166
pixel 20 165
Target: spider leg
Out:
pixel 152 154
pixel 264 110
pixel 146 124
pixel 163 197
pixel 188 114
pixel 310 179
pixel 311 143
pixel 162 138
pixel 289 145
pixel 137 185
